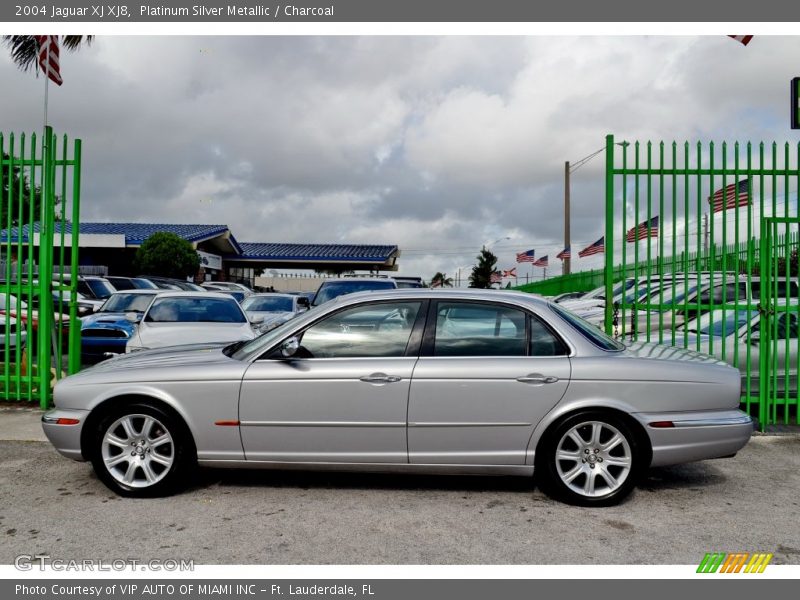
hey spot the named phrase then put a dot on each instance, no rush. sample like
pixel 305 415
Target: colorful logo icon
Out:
pixel 737 562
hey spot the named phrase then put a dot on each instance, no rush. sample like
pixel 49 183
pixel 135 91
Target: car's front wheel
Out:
pixel 141 450
pixel 591 458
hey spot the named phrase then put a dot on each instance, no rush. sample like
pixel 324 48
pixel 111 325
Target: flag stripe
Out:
pixel 48 57
pixel 596 248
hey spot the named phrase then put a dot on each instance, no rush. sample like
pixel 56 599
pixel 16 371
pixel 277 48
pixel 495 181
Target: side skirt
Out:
pixel 520 470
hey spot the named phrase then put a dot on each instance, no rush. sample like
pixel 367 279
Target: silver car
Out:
pixel 442 381
pixel 735 337
pixel 274 309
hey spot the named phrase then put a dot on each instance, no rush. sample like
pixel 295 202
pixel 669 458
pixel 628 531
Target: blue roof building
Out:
pixel 114 245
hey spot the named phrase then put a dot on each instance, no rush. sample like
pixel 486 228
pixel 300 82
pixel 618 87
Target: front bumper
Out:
pixel 695 436
pixel 65 438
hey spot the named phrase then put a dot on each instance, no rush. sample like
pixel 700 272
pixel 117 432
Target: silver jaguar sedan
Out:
pixel 442 381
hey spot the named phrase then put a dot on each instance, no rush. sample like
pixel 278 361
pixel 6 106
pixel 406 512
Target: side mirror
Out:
pixel 256 319
pixel 290 347
pixel 303 302
pixel 132 317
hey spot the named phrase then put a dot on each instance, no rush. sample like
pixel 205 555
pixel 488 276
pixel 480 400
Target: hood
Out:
pixel 159 335
pixel 195 361
pixel 107 320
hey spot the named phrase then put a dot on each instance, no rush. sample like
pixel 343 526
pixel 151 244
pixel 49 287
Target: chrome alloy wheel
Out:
pixel 593 459
pixel 137 450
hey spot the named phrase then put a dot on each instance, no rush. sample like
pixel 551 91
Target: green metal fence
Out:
pixel 705 238
pixel 39 326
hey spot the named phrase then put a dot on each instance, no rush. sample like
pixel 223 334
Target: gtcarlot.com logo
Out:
pixel 737 562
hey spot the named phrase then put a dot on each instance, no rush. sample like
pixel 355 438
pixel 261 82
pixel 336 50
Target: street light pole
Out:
pixel 566 264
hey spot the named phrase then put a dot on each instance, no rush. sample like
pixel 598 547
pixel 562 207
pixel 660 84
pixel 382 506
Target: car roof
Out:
pixel 272 295
pixel 192 294
pixel 355 279
pixel 146 291
pixel 514 297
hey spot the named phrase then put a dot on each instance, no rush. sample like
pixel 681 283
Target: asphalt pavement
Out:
pixel 52 505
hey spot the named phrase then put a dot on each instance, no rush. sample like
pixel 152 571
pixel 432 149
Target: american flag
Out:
pixel 564 254
pixel 744 39
pixel 527 256
pixel 48 57
pixel 542 262
pixel 512 272
pixel 496 277
pixel 725 198
pixel 596 248
pixel 643 230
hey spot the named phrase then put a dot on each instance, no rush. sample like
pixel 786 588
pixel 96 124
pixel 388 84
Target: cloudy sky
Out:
pixel 436 144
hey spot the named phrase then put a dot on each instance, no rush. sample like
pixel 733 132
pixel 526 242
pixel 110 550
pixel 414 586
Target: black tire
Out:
pixel 151 462
pixel 595 462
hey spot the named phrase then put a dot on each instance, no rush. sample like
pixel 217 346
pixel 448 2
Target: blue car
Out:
pixel 106 332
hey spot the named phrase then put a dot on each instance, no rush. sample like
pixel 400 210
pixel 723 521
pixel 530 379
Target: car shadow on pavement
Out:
pixel 690 475
pixel 359 481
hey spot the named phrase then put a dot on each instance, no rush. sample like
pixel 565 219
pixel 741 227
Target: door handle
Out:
pixel 379 378
pixel 537 379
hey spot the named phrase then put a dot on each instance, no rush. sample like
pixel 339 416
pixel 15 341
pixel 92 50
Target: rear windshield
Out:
pixel 332 289
pixel 589 331
pixel 100 288
pixel 269 304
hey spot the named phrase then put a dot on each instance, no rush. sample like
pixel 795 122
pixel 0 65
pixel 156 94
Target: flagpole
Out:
pixel 46 83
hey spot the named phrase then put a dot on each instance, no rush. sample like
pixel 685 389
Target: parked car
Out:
pixel 19 313
pixel 106 332
pixel 130 283
pixel 227 285
pixel 408 282
pixel 274 309
pixel 459 381
pixel 237 294
pixel 168 283
pixel 568 296
pixel 91 286
pixel 734 336
pixel 10 335
pixel 333 288
pixel 179 318
pixel 85 306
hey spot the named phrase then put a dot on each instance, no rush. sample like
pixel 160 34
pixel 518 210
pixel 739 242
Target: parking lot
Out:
pixel 54 506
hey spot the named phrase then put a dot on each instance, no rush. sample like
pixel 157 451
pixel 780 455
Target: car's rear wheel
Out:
pixel 141 450
pixel 591 458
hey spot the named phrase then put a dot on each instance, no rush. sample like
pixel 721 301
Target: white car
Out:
pixel 180 318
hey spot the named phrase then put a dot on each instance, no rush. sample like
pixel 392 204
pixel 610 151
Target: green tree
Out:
pixel 168 255
pixel 481 276
pixel 441 280
pixel 14 180
pixel 25 49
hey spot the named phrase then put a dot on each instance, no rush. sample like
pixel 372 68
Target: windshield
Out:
pixel 269 304
pixel 589 331
pixel 101 289
pixel 195 310
pixel 333 289
pixel 127 303
pixel 714 324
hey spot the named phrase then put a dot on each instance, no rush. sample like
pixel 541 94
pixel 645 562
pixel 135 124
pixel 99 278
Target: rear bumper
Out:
pixel 65 438
pixel 696 436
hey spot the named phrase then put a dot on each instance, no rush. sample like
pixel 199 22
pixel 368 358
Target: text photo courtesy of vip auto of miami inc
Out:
pixel 413 300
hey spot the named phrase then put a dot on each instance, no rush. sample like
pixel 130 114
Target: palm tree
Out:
pixel 25 49
pixel 441 280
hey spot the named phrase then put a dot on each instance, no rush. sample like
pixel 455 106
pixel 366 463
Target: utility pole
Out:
pixel 566 262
